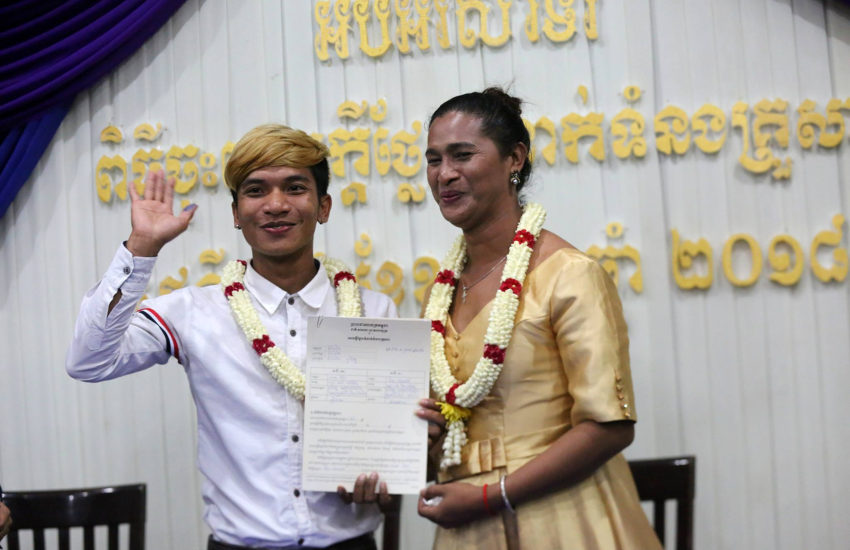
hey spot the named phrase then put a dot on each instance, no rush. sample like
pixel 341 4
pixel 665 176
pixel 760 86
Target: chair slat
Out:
pixel 37 539
pixel 137 536
pixel 64 538
pixel 659 519
pixel 113 536
pixel 12 539
pixel 88 537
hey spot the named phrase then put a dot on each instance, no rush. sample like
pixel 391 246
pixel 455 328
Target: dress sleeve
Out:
pixel 593 342
pixel 108 344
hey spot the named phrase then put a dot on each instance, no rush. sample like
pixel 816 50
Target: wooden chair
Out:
pixel 662 479
pixel 37 511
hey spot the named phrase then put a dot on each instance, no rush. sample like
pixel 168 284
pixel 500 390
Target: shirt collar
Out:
pixel 270 296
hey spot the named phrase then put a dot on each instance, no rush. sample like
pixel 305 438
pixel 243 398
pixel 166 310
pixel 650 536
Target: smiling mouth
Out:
pixel 277 227
pixel 449 196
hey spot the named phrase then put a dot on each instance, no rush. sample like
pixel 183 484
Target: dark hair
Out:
pixel 501 121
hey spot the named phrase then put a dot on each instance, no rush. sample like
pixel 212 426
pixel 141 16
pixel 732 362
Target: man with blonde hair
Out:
pixel 242 344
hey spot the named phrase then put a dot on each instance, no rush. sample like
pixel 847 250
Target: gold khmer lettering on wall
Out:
pixel 375 27
pixel 764 132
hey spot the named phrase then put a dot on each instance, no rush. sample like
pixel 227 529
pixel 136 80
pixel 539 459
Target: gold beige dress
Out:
pixel 567 362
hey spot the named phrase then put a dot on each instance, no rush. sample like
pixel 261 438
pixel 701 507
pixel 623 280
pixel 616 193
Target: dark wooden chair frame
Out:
pixel 661 479
pixel 657 480
pixel 37 511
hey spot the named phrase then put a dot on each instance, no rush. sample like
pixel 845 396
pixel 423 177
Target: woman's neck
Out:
pixel 490 242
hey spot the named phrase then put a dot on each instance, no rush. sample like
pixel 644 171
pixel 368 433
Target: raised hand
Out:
pixel 152 217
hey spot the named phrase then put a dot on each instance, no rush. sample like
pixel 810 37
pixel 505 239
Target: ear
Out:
pixel 324 208
pixel 518 156
pixel 235 214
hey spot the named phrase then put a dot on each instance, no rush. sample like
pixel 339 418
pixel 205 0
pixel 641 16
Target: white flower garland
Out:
pixel 458 399
pixel 282 369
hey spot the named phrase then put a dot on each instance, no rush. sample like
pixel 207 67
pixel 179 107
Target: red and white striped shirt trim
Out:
pixel 170 340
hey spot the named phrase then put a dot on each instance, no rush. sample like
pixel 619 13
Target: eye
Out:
pixel 432 161
pixel 297 188
pixel 251 190
pixel 463 155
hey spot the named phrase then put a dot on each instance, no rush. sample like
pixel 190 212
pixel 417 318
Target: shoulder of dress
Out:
pixel 563 259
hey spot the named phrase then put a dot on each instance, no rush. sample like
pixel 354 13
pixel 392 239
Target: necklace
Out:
pixel 466 287
pixel 281 367
pixel 458 399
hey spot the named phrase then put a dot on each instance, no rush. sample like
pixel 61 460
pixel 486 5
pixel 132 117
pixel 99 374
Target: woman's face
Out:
pixel 468 176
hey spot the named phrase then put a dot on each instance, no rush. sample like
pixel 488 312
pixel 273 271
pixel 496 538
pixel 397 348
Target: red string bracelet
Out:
pixel 486 502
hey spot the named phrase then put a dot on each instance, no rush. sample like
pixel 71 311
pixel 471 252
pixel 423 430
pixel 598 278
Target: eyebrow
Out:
pixel 451 147
pixel 289 179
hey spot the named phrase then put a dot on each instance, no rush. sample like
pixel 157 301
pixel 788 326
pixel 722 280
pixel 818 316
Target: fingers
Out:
pixel 157 187
pixel 384 498
pixel 370 488
pixel 344 495
pixel 188 212
pixel 430 411
pixel 433 491
pixel 134 193
pixel 167 188
pixel 364 488
pixel 429 404
pixel 367 490
pixel 152 179
pixel 428 503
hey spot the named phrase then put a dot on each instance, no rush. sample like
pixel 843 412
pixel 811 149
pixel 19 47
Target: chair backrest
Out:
pixel 662 479
pixel 37 511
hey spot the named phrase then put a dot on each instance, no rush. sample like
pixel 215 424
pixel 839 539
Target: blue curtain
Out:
pixel 50 50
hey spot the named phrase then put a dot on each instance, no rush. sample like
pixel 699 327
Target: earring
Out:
pixel 237 227
pixel 515 178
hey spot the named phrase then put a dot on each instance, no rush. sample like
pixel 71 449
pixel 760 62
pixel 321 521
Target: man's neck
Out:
pixel 291 274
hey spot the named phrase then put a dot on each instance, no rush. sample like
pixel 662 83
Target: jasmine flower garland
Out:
pixel 282 369
pixel 458 399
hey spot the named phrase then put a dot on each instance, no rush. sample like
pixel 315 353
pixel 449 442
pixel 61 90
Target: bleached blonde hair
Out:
pixel 277 145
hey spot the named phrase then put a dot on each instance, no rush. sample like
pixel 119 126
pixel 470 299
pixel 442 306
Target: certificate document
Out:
pixel 365 378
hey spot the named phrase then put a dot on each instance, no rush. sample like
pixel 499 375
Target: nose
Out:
pixel 445 172
pixel 277 202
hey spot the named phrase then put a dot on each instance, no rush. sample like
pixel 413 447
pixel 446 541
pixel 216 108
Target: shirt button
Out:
pixel 295 438
pixel 297 493
pixel 300 542
pixel 126 270
pixel 291 301
pixel 292 332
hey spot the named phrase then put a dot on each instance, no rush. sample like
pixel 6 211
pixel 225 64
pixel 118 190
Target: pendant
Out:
pixel 463 293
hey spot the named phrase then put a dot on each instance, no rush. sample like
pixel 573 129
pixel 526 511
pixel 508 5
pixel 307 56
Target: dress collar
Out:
pixel 271 296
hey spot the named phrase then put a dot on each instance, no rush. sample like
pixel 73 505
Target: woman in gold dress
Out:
pixel 530 369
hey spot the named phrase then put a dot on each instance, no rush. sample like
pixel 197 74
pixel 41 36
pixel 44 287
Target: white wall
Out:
pixel 751 380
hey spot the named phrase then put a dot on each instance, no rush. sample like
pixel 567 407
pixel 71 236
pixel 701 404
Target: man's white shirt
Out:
pixel 249 427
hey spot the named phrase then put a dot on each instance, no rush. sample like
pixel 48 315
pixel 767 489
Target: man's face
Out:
pixel 278 208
